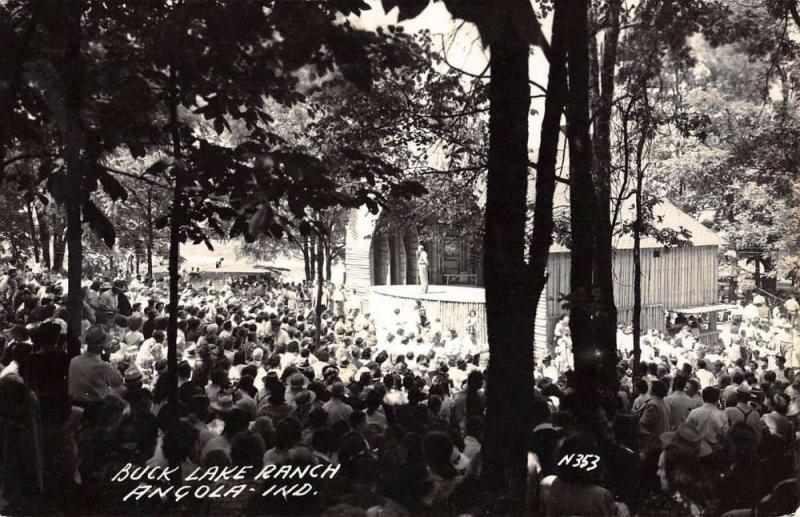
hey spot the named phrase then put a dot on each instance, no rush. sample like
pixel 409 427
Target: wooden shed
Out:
pixel 673 278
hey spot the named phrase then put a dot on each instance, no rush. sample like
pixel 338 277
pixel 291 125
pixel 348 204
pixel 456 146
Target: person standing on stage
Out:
pixel 422 267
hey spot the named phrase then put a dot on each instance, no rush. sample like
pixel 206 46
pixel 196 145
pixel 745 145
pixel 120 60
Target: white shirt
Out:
pixel 705 377
pixel 710 422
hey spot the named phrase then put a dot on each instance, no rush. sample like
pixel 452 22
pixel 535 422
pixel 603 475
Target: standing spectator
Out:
pixel 744 412
pixel 679 403
pixel 90 378
pixel 709 421
pixel 654 417
pixel 338 410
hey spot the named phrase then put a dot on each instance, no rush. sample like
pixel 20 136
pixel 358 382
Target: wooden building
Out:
pixel 372 258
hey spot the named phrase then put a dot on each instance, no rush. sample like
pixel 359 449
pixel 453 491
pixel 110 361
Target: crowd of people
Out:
pixel 397 411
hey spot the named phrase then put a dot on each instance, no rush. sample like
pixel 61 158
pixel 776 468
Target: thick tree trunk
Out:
pixel 606 317
pixel 34 232
pixel 582 208
pixel 72 151
pixel 509 308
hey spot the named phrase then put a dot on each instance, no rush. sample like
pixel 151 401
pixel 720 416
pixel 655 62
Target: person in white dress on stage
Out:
pixel 422 267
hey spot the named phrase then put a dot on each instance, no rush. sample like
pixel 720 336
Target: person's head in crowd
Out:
pixel 679 382
pixel 95 339
pixel 641 387
pixel 288 433
pixel 45 336
pixel 692 387
pixel 247 449
pixel 264 427
pixel 681 474
pixel 438 452
pixel 711 395
pixel 178 441
pixel 658 389
pixel 744 393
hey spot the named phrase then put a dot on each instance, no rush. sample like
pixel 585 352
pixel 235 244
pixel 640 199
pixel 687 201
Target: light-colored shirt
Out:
pixel 337 411
pixel 91 379
pixel 705 377
pixel 679 404
pixel 709 421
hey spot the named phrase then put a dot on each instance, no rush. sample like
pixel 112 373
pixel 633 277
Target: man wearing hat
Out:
pixel 134 381
pixel 338 410
pixel 108 304
pixel 90 378
pixel 296 382
pixel 688 438
pixel 743 411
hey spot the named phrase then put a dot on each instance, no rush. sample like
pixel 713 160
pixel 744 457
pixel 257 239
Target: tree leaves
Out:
pixel 408 9
pixel 111 186
pixel 99 223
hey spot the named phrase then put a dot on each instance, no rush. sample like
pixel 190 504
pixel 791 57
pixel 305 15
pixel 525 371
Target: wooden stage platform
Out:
pixel 451 304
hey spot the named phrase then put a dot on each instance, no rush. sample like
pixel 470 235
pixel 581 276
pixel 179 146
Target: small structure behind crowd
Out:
pixel 199 264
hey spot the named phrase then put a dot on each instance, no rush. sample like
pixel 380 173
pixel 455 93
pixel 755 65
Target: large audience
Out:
pixel 397 410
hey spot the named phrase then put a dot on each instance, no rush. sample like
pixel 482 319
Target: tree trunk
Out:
pixel 637 270
pixel 149 243
pixel 174 254
pixel 509 308
pixel 757 259
pixel 307 260
pixel 72 151
pixel 33 231
pixel 582 208
pixel 320 286
pixel 44 237
pixel 603 269
pixel 328 258
pixel 59 248
pixel 312 251
pixel 542 234
pixel 637 298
